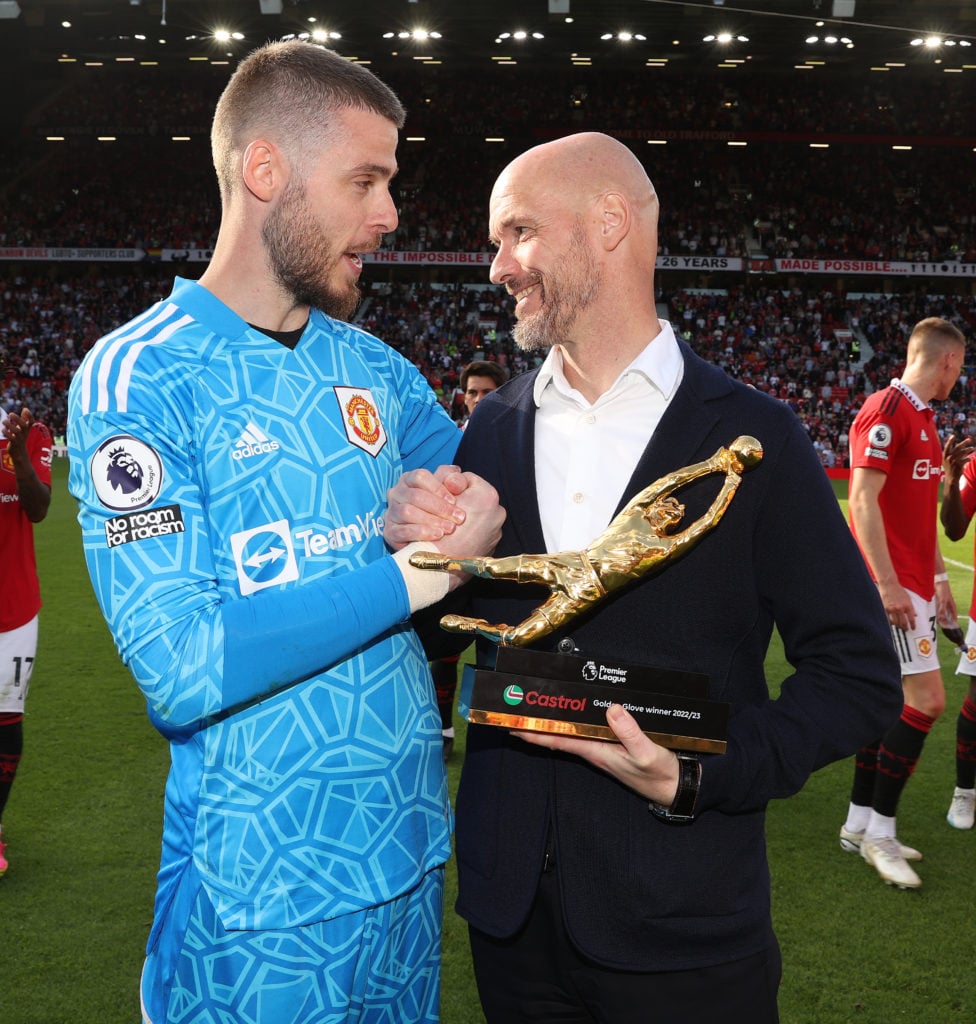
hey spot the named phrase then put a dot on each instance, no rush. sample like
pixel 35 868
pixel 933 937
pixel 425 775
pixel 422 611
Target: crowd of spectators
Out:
pixel 795 344
pixel 774 196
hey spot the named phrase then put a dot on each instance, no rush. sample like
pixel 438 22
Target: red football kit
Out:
pixel 967 491
pixel 895 432
pixel 20 596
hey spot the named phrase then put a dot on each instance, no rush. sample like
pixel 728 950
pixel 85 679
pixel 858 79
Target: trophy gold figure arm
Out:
pixel 635 543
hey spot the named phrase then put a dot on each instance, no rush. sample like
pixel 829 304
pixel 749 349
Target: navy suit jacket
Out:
pixel 639 893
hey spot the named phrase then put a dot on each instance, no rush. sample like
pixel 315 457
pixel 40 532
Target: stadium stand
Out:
pixel 776 259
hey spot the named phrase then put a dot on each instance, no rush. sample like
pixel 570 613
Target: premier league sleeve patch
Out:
pixel 127 473
pixel 361 419
pixel 880 435
pixel 879 438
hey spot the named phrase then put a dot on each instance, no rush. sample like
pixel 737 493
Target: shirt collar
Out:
pixel 899 385
pixel 659 363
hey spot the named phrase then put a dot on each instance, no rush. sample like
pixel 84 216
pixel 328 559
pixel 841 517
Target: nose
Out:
pixel 386 216
pixel 503 266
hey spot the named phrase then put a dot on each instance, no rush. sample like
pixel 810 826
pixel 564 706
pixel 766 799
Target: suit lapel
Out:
pixel 516 469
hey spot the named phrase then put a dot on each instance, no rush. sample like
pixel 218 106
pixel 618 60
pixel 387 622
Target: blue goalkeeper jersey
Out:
pixel 231 494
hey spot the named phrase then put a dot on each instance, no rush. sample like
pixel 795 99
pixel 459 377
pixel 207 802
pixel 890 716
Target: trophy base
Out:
pixel 569 695
pixel 593 732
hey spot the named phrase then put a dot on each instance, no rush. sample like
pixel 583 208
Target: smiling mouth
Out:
pixel 523 292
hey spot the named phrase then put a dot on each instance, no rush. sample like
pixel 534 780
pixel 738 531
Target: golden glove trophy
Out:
pixel 638 542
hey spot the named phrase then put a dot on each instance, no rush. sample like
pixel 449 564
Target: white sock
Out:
pixel 857 817
pixel 448 733
pixel 880 827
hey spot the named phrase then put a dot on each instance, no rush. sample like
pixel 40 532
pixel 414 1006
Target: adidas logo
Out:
pixel 253 441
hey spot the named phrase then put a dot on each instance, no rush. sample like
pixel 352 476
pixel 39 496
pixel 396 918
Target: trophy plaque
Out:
pixel 567 691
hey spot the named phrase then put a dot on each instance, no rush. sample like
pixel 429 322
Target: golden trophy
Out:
pixel 643 539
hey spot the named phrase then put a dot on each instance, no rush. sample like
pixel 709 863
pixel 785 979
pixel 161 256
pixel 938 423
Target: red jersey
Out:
pixel 20 595
pixel 895 432
pixel 967 491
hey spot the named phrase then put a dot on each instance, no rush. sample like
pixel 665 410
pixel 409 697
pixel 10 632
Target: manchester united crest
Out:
pixel 361 419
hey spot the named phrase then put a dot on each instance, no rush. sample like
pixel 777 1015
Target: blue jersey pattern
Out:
pixel 231 495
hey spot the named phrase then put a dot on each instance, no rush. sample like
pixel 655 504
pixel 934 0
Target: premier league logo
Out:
pixel 127 473
pixel 124 473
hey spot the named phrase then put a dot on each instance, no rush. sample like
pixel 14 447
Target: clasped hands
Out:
pixel 460 514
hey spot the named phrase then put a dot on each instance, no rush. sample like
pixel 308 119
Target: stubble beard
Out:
pixel 301 257
pixel 568 290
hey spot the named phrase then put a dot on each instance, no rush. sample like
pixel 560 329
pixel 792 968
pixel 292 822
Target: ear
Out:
pixel 262 169
pixel 614 219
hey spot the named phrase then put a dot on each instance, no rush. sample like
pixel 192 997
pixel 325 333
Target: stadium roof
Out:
pixel 771 35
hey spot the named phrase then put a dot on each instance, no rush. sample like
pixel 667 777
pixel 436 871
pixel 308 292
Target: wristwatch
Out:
pixel 682 809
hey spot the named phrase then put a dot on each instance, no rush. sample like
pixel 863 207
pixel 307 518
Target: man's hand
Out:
pixel 898 604
pixel 955 454
pixel 952 514
pixel 945 603
pixel 423 506
pixel 35 497
pixel 637 761
pixel 15 429
pixel 482 527
pixel 459 512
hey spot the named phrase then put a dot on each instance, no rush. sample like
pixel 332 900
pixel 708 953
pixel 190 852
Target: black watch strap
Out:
pixel 682 808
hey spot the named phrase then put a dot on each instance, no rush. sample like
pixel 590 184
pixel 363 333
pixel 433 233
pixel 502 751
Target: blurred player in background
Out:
pixel 25 496
pixel 956 513
pixel 896 470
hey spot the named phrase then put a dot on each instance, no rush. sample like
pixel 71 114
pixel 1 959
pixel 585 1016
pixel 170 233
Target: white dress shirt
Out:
pixel 586 454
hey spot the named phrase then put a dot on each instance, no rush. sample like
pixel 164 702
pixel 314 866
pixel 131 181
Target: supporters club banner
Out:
pixel 883 268
pixel 718 264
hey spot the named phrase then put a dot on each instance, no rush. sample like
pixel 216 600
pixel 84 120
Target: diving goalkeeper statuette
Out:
pixel 643 539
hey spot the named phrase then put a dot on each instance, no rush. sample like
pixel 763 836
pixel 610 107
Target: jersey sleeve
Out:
pixel 875 438
pixel 967 488
pixel 195 653
pixel 429 437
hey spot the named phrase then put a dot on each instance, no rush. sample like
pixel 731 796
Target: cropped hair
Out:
pixel 935 327
pixel 289 92
pixel 483 368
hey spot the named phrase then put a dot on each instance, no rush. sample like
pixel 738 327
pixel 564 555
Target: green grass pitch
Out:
pixel 83 825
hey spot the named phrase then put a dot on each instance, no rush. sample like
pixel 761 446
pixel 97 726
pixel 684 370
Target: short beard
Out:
pixel 300 256
pixel 568 289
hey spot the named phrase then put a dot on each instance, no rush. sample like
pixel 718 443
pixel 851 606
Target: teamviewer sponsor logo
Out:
pixel 264 556
pixel 253 441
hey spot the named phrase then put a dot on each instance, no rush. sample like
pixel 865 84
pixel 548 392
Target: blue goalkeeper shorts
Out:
pixel 376 966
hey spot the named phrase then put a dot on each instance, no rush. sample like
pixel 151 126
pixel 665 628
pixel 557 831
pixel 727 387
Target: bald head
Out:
pixel 581 168
pixel 575 224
